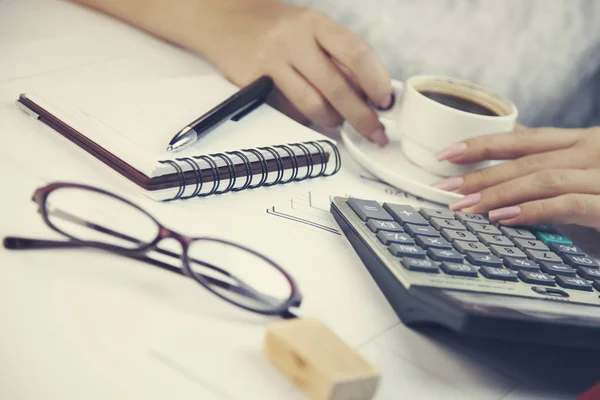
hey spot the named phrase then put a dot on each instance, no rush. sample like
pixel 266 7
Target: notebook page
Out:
pixel 95 130
pixel 135 121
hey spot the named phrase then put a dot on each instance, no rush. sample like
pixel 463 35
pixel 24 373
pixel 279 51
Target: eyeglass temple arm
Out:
pixel 21 243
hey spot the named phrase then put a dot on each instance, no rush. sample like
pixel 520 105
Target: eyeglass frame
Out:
pixel 41 195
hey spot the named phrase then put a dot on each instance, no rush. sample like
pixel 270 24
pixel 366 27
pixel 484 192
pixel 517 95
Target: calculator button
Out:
pixel 415 264
pixel 404 214
pixel 515 233
pixel 536 278
pixel 403 250
pixel 445 255
pixel 368 209
pixel 589 273
pixel 466 217
pixel 548 291
pixel 484 260
pixel 539 256
pixel 435 242
pixel 494 239
pixel 452 235
pixel 439 224
pixel 481 228
pixel 518 264
pixel 394 237
pixel 548 238
pixel 376 225
pixel 530 244
pixel 504 251
pixel 557 268
pixel 579 261
pixel 570 282
pixel 475 247
pixel 414 230
pixel 458 269
pixel 502 274
pixel 428 213
pixel 566 249
pixel 597 285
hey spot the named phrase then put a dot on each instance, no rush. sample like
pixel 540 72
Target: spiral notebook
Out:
pixel 127 127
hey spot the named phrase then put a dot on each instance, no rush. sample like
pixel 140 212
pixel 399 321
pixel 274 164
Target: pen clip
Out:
pixel 248 109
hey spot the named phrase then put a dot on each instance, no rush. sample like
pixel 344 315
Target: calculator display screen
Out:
pixel 548 309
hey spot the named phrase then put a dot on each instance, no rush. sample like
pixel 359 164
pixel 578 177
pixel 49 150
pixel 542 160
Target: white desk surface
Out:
pixel 86 325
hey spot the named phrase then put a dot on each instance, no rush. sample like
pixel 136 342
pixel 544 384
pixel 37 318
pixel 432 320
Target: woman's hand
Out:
pixel 317 64
pixel 324 72
pixel 553 176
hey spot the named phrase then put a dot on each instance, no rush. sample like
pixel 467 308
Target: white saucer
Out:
pixel 391 166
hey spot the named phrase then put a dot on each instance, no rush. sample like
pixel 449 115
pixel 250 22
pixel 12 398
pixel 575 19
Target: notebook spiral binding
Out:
pixel 233 158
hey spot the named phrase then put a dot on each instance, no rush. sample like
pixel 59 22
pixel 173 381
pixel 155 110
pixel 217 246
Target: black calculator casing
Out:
pixel 531 318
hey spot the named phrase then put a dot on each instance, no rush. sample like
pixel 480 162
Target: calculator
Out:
pixel 461 272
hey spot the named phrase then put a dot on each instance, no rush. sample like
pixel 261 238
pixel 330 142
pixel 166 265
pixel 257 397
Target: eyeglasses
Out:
pixel 95 218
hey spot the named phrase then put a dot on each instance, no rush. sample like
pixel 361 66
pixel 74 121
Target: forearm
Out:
pixel 188 23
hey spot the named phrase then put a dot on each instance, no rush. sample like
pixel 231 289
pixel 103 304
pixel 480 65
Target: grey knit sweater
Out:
pixel 544 55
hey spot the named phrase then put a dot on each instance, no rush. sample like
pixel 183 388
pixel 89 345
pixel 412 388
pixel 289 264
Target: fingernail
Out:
pixel 467 201
pixel 451 151
pixel 379 137
pixel 387 103
pixel 450 184
pixel 504 213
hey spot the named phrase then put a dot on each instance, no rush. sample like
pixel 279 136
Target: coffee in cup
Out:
pixel 432 112
pixel 459 103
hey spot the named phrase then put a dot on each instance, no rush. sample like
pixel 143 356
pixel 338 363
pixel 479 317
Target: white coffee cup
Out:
pixel 425 126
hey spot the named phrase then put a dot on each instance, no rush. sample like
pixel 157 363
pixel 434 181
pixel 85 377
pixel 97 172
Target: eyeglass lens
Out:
pixel 263 286
pixel 92 216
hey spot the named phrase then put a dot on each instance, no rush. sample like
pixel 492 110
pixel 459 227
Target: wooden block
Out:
pixel 318 361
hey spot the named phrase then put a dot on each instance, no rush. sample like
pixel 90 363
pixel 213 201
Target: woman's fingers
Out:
pixel 320 71
pixel 358 57
pixel 554 186
pixel 352 79
pixel 574 208
pixel 278 101
pixel 504 146
pixel 538 185
pixel 478 180
pixel 305 97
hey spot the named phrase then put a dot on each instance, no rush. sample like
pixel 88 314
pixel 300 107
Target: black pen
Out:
pixel 235 107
